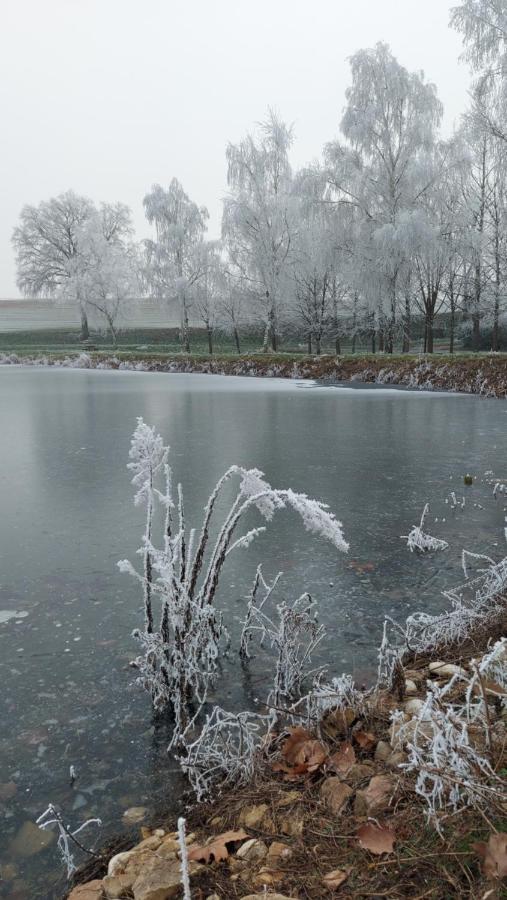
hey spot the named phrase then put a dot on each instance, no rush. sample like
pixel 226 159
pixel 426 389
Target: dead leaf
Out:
pixel 338 721
pixel 493 855
pixel 343 759
pixel 217 848
pixel 303 755
pixel 334 879
pixel 377 839
pixel 365 739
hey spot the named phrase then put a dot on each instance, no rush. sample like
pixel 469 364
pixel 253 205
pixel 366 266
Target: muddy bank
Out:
pixel 485 375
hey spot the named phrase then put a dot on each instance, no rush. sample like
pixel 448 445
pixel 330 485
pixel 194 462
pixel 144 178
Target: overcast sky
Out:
pixel 109 96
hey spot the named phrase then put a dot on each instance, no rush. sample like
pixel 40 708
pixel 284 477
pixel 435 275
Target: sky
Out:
pixel 108 97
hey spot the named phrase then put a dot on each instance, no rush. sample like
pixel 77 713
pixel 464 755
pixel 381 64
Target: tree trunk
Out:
pixel 184 333
pixel 210 340
pixel 309 343
pixel 429 332
pixel 317 344
pixel 381 340
pixel 406 327
pixel 476 330
pixel 452 323
pixel 236 340
pixel 85 331
pixel 337 345
pixel 265 340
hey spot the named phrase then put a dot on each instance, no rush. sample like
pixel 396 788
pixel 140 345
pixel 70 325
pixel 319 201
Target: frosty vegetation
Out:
pixel 417 539
pixel 393 223
pixel 184 636
pixel 67 842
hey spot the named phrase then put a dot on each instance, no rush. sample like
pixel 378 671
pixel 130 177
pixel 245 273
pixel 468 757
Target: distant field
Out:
pixel 162 340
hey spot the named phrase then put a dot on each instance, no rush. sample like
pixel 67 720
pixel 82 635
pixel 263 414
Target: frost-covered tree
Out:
pixel 174 260
pixel 385 165
pixel 258 218
pixel 110 280
pixel 207 291
pixel 46 244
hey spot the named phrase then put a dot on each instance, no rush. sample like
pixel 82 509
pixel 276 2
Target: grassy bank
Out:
pixel 484 374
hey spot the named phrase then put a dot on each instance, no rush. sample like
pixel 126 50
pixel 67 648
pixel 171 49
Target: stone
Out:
pixel 252 850
pixel 278 852
pixel 335 794
pixel 382 751
pixel 30 840
pixel 135 814
pixel 413 707
pixel 264 895
pixel 267 877
pixel 90 891
pixel 116 885
pixel 150 843
pixel 131 863
pixel 360 771
pixel 376 797
pixel 446 670
pixel 396 759
pixel 410 687
pixel 252 816
pixel 160 879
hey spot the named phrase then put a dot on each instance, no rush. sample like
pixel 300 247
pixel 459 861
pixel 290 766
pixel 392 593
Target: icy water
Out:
pixel 66 613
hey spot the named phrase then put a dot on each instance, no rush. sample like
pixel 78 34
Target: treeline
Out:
pixel 393 226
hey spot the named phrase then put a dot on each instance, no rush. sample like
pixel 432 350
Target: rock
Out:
pixel 278 852
pixel 30 840
pixel 7 791
pixel 252 816
pixel 252 850
pixel 335 794
pixel 91 891
pixel 424 729
pixel 382 751
pixel 135 814
pixel 376 797
pixel 442 669
pixel 150 843
pixel 396 759
pixel 116 885
pixel 413 707
pixel 160 879
pixel 133 862
pixel 266 877
pixel 264 895
pixel 410 687
pixel 360 771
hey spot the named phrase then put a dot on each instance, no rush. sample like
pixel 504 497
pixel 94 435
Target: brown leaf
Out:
pixel 334 879
pixel 343 759
pixel 303 754
pixel 338 721
pixel 365 739
pixel 494 855
pixel 217 848
pixel 376 838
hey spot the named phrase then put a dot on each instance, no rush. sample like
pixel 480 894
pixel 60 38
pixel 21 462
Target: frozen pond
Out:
pixel 66 613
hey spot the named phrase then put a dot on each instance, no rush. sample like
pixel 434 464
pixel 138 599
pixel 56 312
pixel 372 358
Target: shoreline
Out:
pixel 331 804
pixel 485 376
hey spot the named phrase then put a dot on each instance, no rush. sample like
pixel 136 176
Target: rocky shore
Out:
pixel 335 809
pixel 483 374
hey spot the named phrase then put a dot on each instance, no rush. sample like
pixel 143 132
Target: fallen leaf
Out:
pixel 493 855
pixel 338 721
pixel 217 848
pixel 334 879
pixel 365 739
pixel 343 759
pixel 376 838
pixel 303 755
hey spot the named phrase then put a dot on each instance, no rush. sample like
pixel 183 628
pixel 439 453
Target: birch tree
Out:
pixel 174 261
pixel 258 218
pixel 384 166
